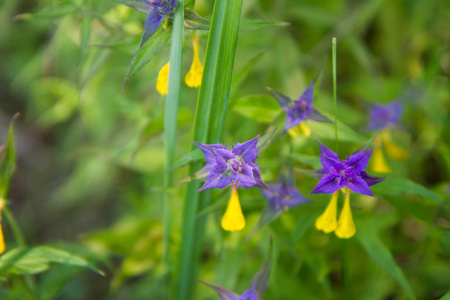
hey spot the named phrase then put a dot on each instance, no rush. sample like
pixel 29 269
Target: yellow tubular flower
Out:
pixel 327 221
pixel 379 164
pixel 345 227
pixel 304 129
pixel 2 240
pixel 162 83
pixel 233 219
pixel 392 149
pixel 194 76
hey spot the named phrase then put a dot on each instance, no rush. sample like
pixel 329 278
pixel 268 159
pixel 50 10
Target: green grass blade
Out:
pixel 170 116
pixel 208 128
pixel 381 255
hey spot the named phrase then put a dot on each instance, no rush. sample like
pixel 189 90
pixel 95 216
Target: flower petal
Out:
pixel 308 95
pixel 327 152
pixel 359 160
pixel 371 180
pixel 249 294
pixel 152 23
pixel 247 150
pixel 345 227
pixel 246 178
pixel 216 180
pixel 233 219
pixel 295 198
pixel 284 101
pixel 208 151
pixel 327 220
pixel 315 115
pixel 328 184
pixel 358 185
pixel 143 6
pixel 223 293
pixel 194 76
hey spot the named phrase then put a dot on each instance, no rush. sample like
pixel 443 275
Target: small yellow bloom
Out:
pixel 345 227
pixel 233 219
pixel 302 128
pixel 2 240
pixel 379 164
pixel 194 76
pixel 392 149
pixel 162 83
pixel 327 221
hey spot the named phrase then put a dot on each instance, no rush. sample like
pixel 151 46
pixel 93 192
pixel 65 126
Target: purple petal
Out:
pixel 328 184
pixel 371 180
pixel 381 116
pixel 258 179
pixel 207 151
pixel 358 185
pixel 308 95
pixel 284 101
pixel 152 23
pixel 325 151
pixel 216 180
pixel 314 115
pixel 294 117
pixel 246 178
pixel 249 294
pixel 247 150
pixel 271 194
pixel 295 198
pixel 331 165
pixel 223 293
pixel 140 5
pixel 359 160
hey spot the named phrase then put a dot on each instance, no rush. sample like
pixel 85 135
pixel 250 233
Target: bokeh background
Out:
pixel 90 156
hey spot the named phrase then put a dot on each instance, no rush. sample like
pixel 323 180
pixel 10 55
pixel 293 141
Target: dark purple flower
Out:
pixel 231 167
pixel 337 174
pixel 382 116
pixel 301 109
pixel 156 11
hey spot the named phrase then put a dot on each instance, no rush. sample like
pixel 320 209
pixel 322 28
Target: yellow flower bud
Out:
pixel 345 227
pixel 379 164
pixel 392 149
pixel 327 221
pixel 162 83
pixel 194 76
pixel 233 219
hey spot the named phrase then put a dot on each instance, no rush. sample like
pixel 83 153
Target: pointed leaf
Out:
pixel 194 21
pixel 27 260
pixel 381 255
pixel 8 160
pixel 145 53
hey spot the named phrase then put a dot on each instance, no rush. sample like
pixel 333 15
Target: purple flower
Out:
pixel 231 167
pixel 283 195
pixel 337 174
pixel 382 116
pixel 156 11
pixel 301 109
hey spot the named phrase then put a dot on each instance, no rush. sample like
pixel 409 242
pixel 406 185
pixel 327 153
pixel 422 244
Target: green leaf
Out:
pixel 305 221
pixel 326 131
pixel 255 24
pixel 8 160
pixel 399 186
pixel 313 161
pixel 194 155
pixel 260 108
pixel 145 53
pixel 27 260
pixel 85 32
pixel 194 21
pixel 380 254
pixel 208 128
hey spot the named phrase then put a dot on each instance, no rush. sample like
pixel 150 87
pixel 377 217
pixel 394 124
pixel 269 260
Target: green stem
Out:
pixel 334 93
pixel 14 227
pixel 346 269
pixel 170 118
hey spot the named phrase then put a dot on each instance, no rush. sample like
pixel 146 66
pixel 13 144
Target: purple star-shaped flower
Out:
pixel 301 109
pixel 156 11
pixel 337 174
pixel 382 116
pixel 231 167
pixel 283 195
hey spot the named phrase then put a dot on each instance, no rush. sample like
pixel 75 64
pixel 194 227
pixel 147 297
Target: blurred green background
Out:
pixel 90 157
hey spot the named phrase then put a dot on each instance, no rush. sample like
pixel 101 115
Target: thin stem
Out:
pixel 346 268
pixel 14 227
pixel 334 93
pixel 170 118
